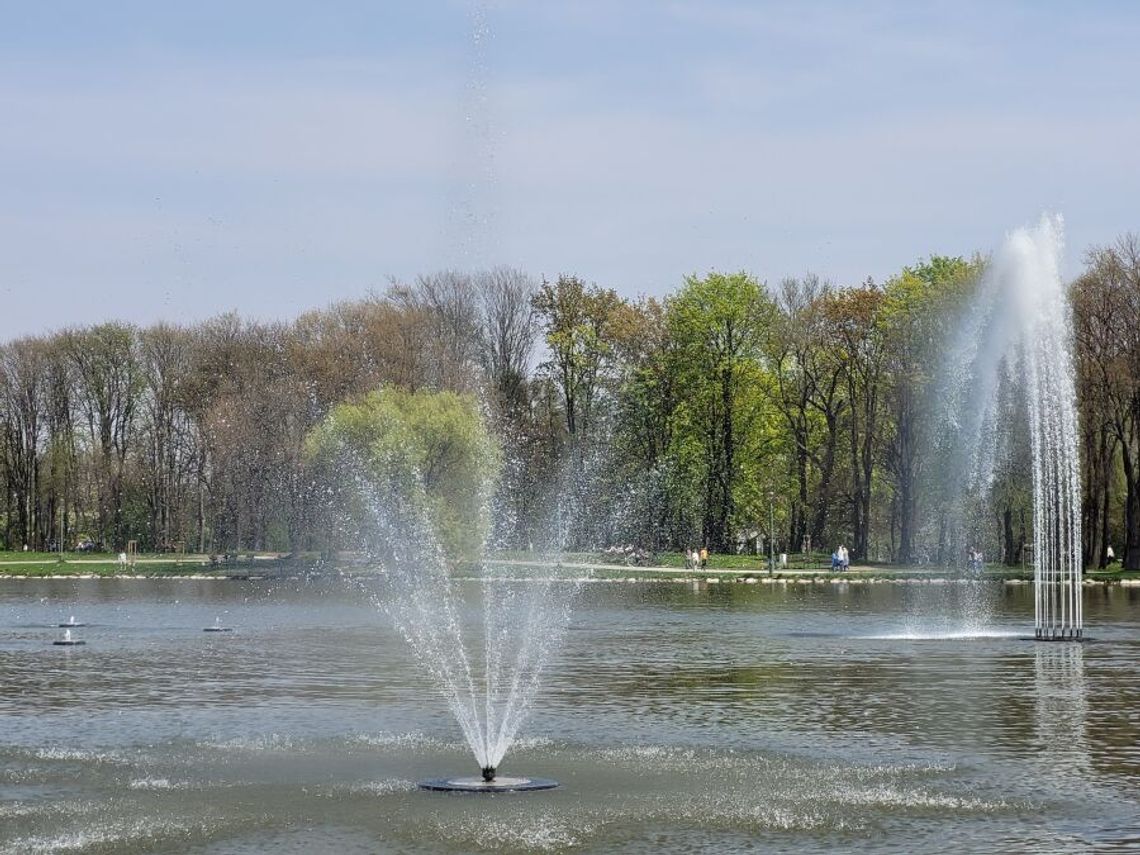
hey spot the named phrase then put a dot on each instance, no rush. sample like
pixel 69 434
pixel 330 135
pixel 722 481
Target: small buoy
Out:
pixel 217 627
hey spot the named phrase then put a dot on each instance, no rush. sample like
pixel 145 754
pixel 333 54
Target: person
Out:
pixel 844 558
pixel 122 559
pixel 1109 555
pixel 834 560
pixel 704 557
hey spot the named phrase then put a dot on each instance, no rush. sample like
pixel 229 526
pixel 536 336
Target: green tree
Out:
pixel 918 309
pixel 430 451
pixel 854 330
pixel 578 322
pixel 724 431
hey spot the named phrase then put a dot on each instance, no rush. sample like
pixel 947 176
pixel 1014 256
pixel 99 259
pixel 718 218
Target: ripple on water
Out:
pixel 103 835
pixel 375 788
pixel 533 832
pixel 159 784
pixel 412 740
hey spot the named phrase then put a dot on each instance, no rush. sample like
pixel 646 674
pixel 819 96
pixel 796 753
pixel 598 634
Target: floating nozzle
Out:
pixel 488 774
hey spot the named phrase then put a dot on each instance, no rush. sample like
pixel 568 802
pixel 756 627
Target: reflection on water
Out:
pixel 807 718
pixel 1061 709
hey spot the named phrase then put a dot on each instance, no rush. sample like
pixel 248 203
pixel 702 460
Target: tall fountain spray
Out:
pixel 1033 265
pixel 1020 318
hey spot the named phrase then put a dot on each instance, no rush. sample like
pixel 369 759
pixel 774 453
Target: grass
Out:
pixel 39 564
pixel 106 564
pixel 747 565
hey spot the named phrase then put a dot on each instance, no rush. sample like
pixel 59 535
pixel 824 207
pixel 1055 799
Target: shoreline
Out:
pixel 610 575
pixel 281 567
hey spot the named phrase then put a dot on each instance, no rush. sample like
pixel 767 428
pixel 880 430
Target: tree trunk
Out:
pixel 1009 548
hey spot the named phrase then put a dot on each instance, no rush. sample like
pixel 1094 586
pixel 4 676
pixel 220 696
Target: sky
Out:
pixel 173 161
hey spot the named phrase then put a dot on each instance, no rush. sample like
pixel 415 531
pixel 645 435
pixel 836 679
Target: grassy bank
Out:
pixel 733 566
pixel 671 565
pixel 106 564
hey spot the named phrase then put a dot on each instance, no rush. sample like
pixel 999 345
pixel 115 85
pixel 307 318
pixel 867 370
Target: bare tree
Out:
pixel 22 380
pixel 1106 300
pixel 108 381
pixel 509 328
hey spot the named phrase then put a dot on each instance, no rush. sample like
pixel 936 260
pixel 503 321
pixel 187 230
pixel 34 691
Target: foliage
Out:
pixel 667 423
pixel 428 449
pixel 724 433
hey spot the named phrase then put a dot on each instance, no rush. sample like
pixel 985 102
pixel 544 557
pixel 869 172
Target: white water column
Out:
pixel 1051 391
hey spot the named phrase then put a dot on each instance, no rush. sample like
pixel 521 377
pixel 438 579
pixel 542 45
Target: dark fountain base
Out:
pixel 483 784
pixel 1065 635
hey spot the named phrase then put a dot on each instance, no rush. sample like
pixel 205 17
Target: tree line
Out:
pixel 724 414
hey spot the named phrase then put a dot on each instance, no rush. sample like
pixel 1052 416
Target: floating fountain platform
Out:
pixel 500 784
pixel 218 629
pixel 72 622
pixel 1067 634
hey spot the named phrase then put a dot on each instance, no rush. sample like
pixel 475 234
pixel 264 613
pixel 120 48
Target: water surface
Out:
pixel 720 718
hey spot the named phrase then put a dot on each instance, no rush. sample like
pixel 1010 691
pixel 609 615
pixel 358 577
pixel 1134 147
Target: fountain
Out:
pixel 490 681
pixel 71 622
pixel 67 640
pixel 217 627
pixel 1020 317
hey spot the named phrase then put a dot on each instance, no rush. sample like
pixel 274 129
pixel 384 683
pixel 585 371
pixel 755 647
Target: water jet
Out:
pixel 1019 326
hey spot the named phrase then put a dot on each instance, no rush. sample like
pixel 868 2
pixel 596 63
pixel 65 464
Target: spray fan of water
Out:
pixel 489 677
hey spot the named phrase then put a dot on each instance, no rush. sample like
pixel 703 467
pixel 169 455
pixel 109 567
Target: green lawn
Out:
pixel 98 564
pixel 107 564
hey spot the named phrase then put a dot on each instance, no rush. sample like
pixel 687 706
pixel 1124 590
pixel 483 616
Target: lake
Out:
pixel 678 718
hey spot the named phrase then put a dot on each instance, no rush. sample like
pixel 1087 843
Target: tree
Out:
pixel 169 459
pixel 578 322
pixel 807 395
pixel 22 398
pixel 108 382
pixel 429 451
pixel 854 328
pixel 722 433
pixel 1106 302
pixel 446 308
pixel 918 308
pixel 508 329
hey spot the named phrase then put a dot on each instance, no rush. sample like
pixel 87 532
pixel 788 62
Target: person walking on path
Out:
pixel 704 557
pixel 844 559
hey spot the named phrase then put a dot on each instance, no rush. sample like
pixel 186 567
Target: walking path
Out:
pixel 684 571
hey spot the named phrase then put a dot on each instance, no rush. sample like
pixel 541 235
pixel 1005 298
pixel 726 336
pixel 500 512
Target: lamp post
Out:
pixel 771 532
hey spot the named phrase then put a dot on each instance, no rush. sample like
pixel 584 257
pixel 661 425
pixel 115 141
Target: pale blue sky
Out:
pixel 176 160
